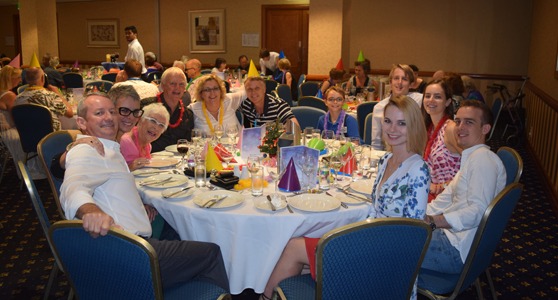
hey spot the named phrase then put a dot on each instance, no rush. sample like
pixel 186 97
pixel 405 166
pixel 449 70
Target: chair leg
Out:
pixel 479 289
pixel 491 285
pixel 51 278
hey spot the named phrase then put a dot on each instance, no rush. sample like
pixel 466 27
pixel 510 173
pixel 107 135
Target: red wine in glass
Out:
pixel 182 149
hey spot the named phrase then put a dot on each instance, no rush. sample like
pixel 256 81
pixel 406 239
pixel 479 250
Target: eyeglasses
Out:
pixel 335 99
pixel 209 90
pixel 124 111
pixel 155 122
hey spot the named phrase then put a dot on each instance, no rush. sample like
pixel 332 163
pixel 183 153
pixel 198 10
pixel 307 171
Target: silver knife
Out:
pixel 270 203
pixel 155 181
pixel 216 201
pixel 357 197
pixel 179 191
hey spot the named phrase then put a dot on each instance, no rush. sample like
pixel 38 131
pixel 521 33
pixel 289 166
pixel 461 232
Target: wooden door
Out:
pixel 285 27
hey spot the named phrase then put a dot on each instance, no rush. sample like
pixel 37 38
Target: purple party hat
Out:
pixel 289 182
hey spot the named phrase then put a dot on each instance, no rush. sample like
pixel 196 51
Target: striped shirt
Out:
pixel 273 108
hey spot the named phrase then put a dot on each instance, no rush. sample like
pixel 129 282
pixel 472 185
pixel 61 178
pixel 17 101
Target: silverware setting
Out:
pixel 271 203
pixel 304 192
pixel 153 173
pixel 156 182
pixel 342 203
pixel 178 192
pixel 289 208
pixel 215 201
pixel 354 196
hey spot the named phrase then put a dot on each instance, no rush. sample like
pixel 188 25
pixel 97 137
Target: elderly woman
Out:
pixel 336 118
pixel 136 144
pixel 442 154
pixel 360 82
pixel 214 106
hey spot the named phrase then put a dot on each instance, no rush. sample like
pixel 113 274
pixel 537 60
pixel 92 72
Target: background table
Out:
pixel 251 239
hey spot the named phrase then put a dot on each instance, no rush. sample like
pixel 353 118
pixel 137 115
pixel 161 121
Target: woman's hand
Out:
pixel 138 163
pixel 437 188
pixel 93 142
pixel 151 212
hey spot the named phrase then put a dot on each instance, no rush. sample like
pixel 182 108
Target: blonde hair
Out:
pixel 202 80
pixel 6 75
pixel 416 130
pixel 406 69
pixel 284 64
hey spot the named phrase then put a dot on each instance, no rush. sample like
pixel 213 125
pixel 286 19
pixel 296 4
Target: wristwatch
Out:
pixel 432 224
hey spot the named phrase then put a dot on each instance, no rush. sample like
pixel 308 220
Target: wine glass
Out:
pixel 182 148
pixel 275 175
pixel 308 135
pixel 308 166
pixel 328 136
pixel 227 155
pixel 232 133
pixel 336 162
pixel 218 132
pixel 254 163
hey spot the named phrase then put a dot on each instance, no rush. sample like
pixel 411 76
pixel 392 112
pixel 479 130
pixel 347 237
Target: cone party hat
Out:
pixel 252 71
pixel 34 62
pixel 282 54
pixel 16 62
pixel 289 182
pixel 360 57
pixel 212 162
pixel 340 65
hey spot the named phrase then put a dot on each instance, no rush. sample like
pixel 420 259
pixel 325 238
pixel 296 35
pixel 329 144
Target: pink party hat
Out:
pixel 289 182
pixel 16 62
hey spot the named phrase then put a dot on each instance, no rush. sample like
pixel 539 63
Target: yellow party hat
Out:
pixel 252 71
pixel 212 162
pixel 34 62
pixel 360 57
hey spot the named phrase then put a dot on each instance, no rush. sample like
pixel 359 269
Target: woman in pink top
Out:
pixel 442 154
pixel 136 144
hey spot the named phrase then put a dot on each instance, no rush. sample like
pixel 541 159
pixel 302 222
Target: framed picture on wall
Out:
pixel 207 31
pixel 102 33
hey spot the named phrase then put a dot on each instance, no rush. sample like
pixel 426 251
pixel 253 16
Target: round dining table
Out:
pixel 251 239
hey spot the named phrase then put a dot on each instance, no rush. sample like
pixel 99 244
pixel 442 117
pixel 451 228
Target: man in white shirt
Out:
pixel 455 214
pixel 268 62
pixel 101 191
pixel 135 50
pixel 145 90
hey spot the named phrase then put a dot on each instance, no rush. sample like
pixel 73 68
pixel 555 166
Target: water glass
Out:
pixel 308 135
pixel 257 182
pixel 316 133
pixel 199 173
pixel 324 175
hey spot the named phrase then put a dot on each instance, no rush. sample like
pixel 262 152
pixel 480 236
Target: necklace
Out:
pixel 207 120
pixel 339 123
pixel 432 134
pixel 174 125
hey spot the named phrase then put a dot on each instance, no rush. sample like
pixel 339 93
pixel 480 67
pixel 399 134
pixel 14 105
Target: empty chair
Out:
pixel 512 162
pixel 101 85
pixel 362 110
pixel 437 285
pixel 109 77
pixel 313 102
pixel 270 86
pixel 308 88
pixel 496 109
pixel 368 129
pixel 283 91
pixel 33 122
pixel 72 80
pixel 154 76
pixel 118 265
pixel 372 259
pixel 307 116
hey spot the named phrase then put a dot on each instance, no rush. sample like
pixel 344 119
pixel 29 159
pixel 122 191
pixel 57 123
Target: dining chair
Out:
pixel 496 110
pixel 307 116
pixel 270 85
pixel 4 156
pixel 205 71
pixel 308 88
pixel 72 80
pixel 313 102
pixel 512 162
pixel 283 91
pixel 102 85
pixel 49 146
pixel 45 225
pixel 33 122
pixel 22 88
pixel 436 285
pixel 109 77
pixel 371 259
pixel 362 110
pixel 119 265
pixel 156 75
pixel 368 130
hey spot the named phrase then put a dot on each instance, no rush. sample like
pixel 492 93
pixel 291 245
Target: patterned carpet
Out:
pixel 525 265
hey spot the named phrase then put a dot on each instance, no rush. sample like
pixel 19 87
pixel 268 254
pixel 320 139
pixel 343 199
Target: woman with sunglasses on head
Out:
pixel 214 106
pixel 336 118
pixel 136 144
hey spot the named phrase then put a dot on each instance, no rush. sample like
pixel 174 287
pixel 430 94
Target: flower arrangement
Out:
pixel 273 131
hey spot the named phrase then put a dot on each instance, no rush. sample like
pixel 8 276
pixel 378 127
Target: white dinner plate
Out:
pixel 362 187
pixel 233 198
pixel 162 162
pixel 177 194
pixel 163 181
pixel 162 153
pixel 264 204
pixel 314 202
pixel 171 148
pixel 146 172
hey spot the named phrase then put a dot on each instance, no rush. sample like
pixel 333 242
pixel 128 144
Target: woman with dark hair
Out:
pixel 220 68
pixel 361 82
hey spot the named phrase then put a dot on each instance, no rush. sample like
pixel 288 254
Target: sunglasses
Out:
pixel 124 111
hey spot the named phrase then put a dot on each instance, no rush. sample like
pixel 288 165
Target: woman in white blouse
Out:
pixel 214 106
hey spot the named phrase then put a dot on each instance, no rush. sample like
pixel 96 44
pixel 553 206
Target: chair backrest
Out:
pixel 156 75
pixel 308 88
pixel 362 110
pixel 488 235
pixel 205 71
pixel 109 77
pixel 307 116
pixel 372 257
pixel 72 80
pixel 51 145
pixel 240 116
pixel 512 162
pixel 270 86
pixel 301 80
pixel 33 122
pixel 284 92
pixel 102 85
pixel 313 102
pixel 22 88
pixel 496 109
pixel 368 129
pixel 119 265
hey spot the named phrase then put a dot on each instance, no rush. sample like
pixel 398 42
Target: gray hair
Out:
pixel 172 71
pixel 121 91
pixel 156 108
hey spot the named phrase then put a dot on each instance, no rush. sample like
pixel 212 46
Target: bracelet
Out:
pixel 70 145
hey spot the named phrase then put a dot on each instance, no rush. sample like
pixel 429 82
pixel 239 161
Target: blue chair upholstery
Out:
pixel 109 77
pixel 72 80
pixel 512 162
pixel 496 109
pixel 102 85
pixel 362 110
pixel 119 265
pixel 33 122
pixel 308 88
pixel 270 86
pixel 155 75
pixel 370 259
pixel 436 285
pixel 368 129
pixel 284 92
pixel 313 102
pixel 205 71
pixel 43 221
pixel 307 116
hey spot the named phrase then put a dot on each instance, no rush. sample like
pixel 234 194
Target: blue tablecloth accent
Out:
pixel 110 65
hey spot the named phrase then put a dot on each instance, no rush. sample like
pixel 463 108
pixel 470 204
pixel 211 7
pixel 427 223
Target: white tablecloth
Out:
pixel 251 240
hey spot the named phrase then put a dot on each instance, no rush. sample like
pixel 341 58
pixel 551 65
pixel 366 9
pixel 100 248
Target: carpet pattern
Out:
pixel 524 267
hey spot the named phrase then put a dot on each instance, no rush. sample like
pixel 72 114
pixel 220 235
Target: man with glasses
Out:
pixel 132 68
pixel 193 71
